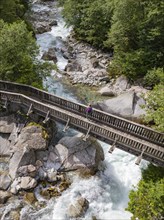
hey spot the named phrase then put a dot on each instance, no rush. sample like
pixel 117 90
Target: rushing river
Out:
pixel 107 192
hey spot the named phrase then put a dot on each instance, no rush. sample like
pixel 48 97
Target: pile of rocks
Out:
pixel 86 65
pixel 33 161
pixel 42 18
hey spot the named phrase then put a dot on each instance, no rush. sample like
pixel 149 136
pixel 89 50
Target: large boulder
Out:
pixel 107 91
pixel 50 55
pixel 75 153
pixel 4 196
pixel 41 27
pixel 127 105
pixel 31 137
pixel 30 140
pixel 24 183
pixel 27 182
pixel 72 66
pixel 7 124
pixel 115 87
pixel 5 181
pixel 29 170
pixel 20 158
pixel 4 144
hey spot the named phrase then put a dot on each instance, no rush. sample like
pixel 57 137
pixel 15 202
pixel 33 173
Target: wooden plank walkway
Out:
pixel 127 141
pixel 113 121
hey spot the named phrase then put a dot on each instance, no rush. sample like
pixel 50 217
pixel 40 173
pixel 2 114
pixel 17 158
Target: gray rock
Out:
pixel 138 107
pixel 121 105
pixel 27 183
pixel 4 195
pixel 52 175
pixel 41 27
pixel 50 55
pixel 20 158
pixel 4 144
pixel 128 105
pixel 106 91
pixel 15 186
pixel 41 155
pixel 53 23
pixel 74 153
pixel 95 62
pixel 5 181
pixel 121 84
pixel 73 66
pixel 31 137
pixel 79 208
pixel 29 170
pixel 42 174
pixel 7 124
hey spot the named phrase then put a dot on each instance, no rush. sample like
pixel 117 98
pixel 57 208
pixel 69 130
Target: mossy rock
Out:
pixel 50 192
pixel 15 214
pixel 45 194
pixel 86 173
pixel 64 185
pixel 54 192
pixel 40 205
pixel 45 134
pixel 44 184
pixel 94 218
pixel 30 198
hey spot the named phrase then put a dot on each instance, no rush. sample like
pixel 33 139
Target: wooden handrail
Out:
pixel 124 141
pixel 113 121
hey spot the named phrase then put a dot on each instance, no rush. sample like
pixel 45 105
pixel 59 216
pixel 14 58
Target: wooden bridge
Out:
pixel 131 137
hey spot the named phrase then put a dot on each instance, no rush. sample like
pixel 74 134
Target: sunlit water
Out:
pixel 107 192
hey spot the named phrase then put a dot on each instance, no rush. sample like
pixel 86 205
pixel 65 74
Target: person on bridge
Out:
pixel 88 110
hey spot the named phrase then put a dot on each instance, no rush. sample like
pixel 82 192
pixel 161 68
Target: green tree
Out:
pixel 155 98
pixel 137 37
pixel 90 19
pixel 18 55
pixel 155 107
pixel 146 202
pixel 12 10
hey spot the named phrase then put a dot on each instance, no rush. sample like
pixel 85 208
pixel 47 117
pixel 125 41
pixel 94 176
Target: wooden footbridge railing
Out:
pixel 131 137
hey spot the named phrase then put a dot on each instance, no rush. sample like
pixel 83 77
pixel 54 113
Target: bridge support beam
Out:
pixel 140 157
pixel 113 146
pixel 87 135
pixel 29 110
pixel 6 104
pixel 66 126
pixel 47 118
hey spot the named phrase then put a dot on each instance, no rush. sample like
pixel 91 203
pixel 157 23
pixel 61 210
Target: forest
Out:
pixel 18 48
pixel 133 32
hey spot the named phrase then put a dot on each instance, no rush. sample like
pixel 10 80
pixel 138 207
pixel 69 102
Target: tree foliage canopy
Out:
pixel 12 10
pixel 133 29
pixel 91 19
pixel 146 202
pixel 18 55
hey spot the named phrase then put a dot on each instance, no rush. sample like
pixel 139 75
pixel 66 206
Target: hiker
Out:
pixel 88 110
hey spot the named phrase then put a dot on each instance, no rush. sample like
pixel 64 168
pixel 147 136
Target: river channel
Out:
pixel 107 191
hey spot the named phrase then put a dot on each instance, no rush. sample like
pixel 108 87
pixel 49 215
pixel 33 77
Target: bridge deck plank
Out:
pixel 130 142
